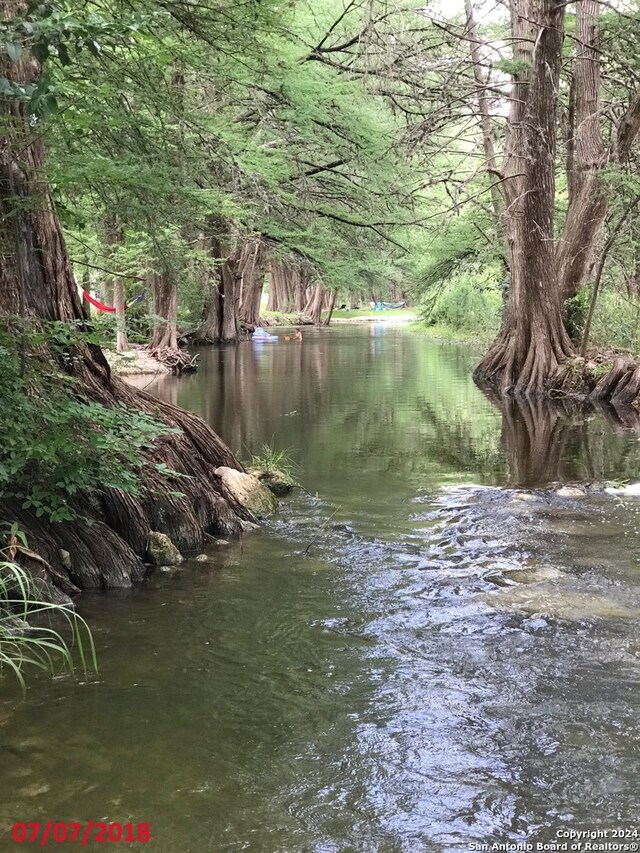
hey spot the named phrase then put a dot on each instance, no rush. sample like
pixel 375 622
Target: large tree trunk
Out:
pixel 165 308
pixel 483 112
pixel 122 341
pixel 252 265
pixel 211 328
pixel 280 287
pixel 221 310
pixel 300 291
pixel 533 341
pixel 524 32
pixel 230 277
pixel 109 538
pixel 313 309
pixel 588 195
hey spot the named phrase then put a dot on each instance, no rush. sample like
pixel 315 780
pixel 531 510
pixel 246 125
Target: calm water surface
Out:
pixel 455 658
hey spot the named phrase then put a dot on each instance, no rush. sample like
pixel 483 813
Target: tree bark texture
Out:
pixel 313 308
pixel 533 341
pixel 252 266
pixel 165 309
pixel 588 195
pixel 222 307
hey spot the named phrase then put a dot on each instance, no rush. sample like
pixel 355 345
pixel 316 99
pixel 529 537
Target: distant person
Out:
pixel 298 335
pixel 373 305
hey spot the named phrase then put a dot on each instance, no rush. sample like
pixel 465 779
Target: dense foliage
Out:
pixel 57 445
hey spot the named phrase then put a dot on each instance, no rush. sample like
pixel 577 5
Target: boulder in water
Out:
pixel 161 551
pixel 570 492
pixel 279 482
pixel 248 491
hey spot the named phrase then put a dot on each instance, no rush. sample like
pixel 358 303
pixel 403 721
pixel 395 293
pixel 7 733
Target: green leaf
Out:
pixel 93 47
pixel 40 50
pixel 14 50
pixel 63 54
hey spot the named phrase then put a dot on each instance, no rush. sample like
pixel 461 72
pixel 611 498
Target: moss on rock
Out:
pixel 248 491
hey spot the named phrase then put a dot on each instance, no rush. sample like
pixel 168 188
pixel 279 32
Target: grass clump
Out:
pixel 25 640
pixel 268 459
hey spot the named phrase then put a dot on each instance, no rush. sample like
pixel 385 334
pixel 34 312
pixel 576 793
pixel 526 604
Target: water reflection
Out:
pixel 549 441
pixel 399 402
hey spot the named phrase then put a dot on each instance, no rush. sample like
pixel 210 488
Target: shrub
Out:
pixel 55 443
pixel 470 302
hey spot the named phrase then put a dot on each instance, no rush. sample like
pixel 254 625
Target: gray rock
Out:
pixel 570 492
pixel 248 491
pixel 65 559
pixel 161 551
pixel 201 558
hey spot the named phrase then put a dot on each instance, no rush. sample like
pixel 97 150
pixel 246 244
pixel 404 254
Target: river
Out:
pixel 428 647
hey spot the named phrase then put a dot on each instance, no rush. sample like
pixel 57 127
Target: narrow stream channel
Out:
pixel 455 658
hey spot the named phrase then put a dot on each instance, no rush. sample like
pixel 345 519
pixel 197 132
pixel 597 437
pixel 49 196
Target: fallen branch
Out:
pixel 178 361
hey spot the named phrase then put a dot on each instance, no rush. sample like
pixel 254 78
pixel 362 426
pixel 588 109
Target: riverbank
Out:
pixel 393 317
pixel 447 334
pixel 356 315
pixel 137 362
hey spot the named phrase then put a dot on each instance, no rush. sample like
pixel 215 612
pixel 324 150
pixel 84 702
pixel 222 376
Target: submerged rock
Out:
pixel 161 551
pixel 201 558
pixel 248 491
pixel 562 603
pixel 278 481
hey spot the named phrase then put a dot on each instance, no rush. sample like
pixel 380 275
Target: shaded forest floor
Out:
pixel 138 361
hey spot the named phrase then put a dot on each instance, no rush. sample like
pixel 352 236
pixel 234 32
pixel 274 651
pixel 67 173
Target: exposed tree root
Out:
pixel 512 370
pixel 547 373
pixel 106 544
pixel 177 360
pixel 606 385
